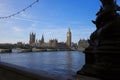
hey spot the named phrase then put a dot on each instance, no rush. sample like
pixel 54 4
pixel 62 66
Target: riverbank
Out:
pixel 21 50
pixel 5 50
pixel 13 72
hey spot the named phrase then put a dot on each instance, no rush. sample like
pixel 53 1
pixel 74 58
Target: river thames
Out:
pixel 59 63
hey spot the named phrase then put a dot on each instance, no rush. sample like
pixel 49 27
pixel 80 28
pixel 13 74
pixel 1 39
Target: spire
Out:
pixel 42 39
pixel 69 30
pixel 42 36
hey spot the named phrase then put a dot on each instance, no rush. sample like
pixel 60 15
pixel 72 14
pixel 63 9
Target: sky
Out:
pixel 50 18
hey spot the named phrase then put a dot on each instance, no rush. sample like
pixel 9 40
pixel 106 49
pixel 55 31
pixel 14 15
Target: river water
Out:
pixel 64 63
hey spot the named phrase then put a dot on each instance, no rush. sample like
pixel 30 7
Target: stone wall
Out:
pixel 13 72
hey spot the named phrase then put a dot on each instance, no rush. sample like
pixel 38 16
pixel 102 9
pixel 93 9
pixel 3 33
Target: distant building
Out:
pixel 62 46
pixel 68 42
pixel 82 44
pixel 53 43
pixel 40 43
pixel 74 46
pixel 19 44
pixel 32 38
pixel 42 40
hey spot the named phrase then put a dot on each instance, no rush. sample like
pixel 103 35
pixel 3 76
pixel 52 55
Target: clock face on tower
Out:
pixel 68 34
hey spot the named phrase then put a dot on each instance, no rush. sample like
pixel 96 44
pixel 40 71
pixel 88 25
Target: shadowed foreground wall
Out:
pixel 12 72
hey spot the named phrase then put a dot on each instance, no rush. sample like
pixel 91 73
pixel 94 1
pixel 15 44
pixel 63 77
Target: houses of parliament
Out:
pixel 53 43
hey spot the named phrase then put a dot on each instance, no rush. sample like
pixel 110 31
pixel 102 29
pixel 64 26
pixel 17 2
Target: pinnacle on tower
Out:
pixel 42 39
pixel 69 30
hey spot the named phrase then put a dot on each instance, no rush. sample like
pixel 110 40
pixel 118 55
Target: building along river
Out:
pixel 58 64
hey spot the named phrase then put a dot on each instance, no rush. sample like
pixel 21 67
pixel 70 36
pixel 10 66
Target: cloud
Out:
pixel 5 8
pixel 17 29
pixel 8 40
pixel 2 8
pixel 32 20
pixel 25 15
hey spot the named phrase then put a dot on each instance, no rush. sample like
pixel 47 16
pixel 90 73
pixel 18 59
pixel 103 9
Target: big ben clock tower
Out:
pixel 68 38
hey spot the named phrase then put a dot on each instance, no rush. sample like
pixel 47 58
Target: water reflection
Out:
pixel 60 63
pixel 69 61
